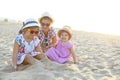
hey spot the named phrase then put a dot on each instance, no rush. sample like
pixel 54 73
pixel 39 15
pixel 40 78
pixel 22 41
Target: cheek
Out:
pixel 31 36
pixel 66 37
pixel 27 33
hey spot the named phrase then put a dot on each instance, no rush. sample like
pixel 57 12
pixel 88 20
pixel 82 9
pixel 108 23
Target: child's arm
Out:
pixel 73 54
pixel 54 41
pixel 38 49
pixel 14 56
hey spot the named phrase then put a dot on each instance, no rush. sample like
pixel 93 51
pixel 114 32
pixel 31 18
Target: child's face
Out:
pixel 64 36
pixel 31 32
pixel 46 25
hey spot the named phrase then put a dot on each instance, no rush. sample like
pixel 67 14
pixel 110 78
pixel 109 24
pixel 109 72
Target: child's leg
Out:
pixel 39 56
pixel 27 60
pixel 52 55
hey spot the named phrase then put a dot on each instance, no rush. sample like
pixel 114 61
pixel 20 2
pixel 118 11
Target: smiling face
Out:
pixel 45 23
pixel 64 36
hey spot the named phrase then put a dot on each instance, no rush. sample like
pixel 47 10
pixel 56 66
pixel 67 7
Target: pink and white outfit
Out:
pixel 61 53
pixel 26 48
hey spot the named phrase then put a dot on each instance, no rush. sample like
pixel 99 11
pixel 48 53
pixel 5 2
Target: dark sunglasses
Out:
pixel 43 24
pixel 32 32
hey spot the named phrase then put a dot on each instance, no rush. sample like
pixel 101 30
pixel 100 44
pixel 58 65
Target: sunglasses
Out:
pixel 32 32
pixel 43 24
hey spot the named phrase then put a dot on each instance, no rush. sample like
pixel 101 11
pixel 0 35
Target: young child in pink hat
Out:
pixel 64 48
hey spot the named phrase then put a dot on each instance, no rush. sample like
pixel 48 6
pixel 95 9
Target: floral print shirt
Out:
pixel 46 41
pixel 26 47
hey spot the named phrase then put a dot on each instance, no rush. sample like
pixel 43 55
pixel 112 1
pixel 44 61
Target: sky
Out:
pixel 90 15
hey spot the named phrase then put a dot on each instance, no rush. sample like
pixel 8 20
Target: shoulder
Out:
pixel 53 30
pixel 58 41
pixel 18 37
pixel 70 44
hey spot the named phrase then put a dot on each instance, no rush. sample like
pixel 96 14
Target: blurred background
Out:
pixel 101 16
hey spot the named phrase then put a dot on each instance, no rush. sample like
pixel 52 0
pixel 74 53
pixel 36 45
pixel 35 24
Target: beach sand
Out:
pixel 98 54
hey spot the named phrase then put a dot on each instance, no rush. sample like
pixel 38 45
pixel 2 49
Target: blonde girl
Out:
pixel 26 44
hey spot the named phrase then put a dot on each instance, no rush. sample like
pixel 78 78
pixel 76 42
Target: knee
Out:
pixel 39 57
pixel 27 60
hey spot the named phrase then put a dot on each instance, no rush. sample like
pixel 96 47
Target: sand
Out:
pixel 98 54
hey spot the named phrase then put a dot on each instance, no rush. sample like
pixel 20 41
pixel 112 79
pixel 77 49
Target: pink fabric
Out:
pixel 61 53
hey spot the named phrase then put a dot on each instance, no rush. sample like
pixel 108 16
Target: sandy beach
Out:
pixel 98 54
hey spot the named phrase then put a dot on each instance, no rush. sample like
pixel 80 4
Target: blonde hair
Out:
pixel 45 18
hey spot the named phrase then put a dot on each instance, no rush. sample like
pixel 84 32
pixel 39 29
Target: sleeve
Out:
pixel 18 39
pixel 71 45
pixel 53 32
pixel 58 41
pixel 36 41
pixel 41 36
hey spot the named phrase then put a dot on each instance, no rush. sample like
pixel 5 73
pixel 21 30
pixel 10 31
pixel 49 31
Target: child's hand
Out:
pixel 76 62
pixel 54 45
pixel 15 68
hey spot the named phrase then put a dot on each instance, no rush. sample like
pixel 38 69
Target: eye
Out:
pixel 45 24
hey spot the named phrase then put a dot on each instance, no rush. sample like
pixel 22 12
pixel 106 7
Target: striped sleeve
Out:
pixel 53 32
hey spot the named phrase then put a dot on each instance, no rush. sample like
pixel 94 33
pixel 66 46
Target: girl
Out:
pixel 64 48
pixel 26 44
pixel 47 33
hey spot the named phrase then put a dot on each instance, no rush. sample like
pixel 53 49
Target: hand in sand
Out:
pixel 76 62
pixel 14 68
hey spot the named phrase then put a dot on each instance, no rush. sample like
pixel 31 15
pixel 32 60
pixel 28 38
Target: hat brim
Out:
pixel 63 30
pixel 31 25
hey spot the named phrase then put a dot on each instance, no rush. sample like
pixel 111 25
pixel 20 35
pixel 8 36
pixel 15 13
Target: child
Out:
pixel 64 48
pixel 47 34
pixel 26 44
